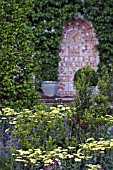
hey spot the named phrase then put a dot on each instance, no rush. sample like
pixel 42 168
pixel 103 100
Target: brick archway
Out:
pixel 77 49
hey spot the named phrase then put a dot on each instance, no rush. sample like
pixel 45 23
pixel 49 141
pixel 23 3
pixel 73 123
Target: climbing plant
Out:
pixel 48 17
pixel 17 59
pixel 101 14
pixel 31 32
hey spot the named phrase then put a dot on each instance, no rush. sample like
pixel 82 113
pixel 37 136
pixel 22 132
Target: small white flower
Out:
pixel 52 30
pixel 46 31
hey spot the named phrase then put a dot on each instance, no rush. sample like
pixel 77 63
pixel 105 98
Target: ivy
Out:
pixel 30 27
pixel 48 18
pixel 16 56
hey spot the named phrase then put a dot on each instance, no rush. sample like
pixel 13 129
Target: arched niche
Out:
pixel 77 49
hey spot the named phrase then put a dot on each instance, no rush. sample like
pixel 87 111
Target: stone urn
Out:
pixel 50 88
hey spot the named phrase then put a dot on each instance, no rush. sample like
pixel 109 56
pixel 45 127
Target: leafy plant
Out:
pixel 47 19
pixel 18 62
pixel 88 108
pixel 91 76
pixel 53 138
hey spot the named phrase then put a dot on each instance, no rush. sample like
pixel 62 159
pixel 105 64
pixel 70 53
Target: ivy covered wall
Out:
pixel 101 14
pixel 34 28
pixel 48 18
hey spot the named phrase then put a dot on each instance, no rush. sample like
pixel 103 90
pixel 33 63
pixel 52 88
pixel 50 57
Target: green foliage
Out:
pixel 91 77
pixel 102 105
pixel 33 130
pixel 36 26
pixel 99 152
pixel 18 66
pixel 89 108
pixel 101 14
pixel 48 17
pixel 44 146
pixel 57 126
pixel 85 80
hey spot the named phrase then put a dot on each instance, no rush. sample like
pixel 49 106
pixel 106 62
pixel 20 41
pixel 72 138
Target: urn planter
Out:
pixel 50 88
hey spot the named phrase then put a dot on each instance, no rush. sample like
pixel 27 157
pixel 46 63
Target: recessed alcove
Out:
pixel 77 49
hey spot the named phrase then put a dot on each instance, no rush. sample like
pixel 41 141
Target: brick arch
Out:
pixel 77 48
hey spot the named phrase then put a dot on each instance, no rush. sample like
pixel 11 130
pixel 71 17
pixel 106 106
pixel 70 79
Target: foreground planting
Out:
pixel 52 138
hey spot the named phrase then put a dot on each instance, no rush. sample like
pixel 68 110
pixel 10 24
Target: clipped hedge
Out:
pixel 89 73
pixel 18 63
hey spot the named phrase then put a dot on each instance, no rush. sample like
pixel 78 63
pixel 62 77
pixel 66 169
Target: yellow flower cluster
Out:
pixel 37 155
pixel 100 145
pixel 93 167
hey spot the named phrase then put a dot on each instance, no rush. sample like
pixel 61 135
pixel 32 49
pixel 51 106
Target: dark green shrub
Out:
pixel 91 77
pixel 88 108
